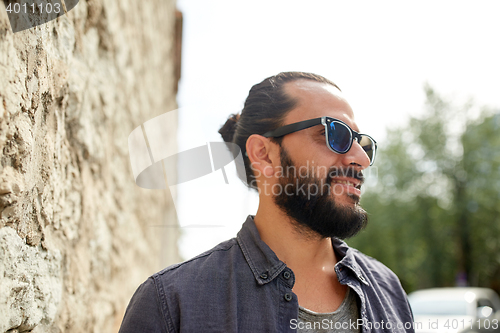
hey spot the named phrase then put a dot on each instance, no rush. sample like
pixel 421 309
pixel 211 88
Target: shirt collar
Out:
pixel 347 259
pixel 264 263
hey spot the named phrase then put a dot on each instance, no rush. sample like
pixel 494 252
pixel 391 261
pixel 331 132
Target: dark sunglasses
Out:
pixel 339 136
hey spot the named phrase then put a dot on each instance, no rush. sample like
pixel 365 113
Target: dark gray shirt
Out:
pixel 241 286
pixel 344 319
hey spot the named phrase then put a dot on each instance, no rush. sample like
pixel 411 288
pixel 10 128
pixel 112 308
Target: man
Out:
pixel 287 269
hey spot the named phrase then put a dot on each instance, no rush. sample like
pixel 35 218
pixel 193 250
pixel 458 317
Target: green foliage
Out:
pixel 434 211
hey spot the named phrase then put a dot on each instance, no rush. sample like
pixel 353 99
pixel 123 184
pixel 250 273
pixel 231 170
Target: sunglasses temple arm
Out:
pixel 287 129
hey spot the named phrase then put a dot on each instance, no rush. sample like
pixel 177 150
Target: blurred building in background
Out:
pixel 77 236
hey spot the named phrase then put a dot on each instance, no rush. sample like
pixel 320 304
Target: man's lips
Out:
pixel 348 181
pixel 349 175
pixel 350 185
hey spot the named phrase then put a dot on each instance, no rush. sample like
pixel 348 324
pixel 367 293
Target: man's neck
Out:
pixel 299 249
pixel 312 259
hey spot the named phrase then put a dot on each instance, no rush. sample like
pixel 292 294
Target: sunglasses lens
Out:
pixel 368 145
pixel 339 137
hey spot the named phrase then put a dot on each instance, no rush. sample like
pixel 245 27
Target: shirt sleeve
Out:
pixel 144 313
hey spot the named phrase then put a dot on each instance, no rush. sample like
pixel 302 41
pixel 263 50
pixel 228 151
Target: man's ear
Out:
pixel 263 154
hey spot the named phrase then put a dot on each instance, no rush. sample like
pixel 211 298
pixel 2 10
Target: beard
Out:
pixel 317 213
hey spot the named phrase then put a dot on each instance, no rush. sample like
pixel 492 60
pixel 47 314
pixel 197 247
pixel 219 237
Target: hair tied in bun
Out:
pixel 229 128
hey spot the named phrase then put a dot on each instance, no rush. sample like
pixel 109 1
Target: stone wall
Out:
pixel 77 236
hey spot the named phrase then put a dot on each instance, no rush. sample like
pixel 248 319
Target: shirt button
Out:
pixel 263 276
pixel 287 275
pixel 288 297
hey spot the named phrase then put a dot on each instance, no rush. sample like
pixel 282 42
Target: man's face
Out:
pixel 334 206
pixel 307 200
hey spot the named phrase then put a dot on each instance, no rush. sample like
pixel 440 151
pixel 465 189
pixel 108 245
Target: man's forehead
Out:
pixel 316 99
pixel 304 86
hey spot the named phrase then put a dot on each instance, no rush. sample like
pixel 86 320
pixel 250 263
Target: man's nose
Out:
pixel 357 155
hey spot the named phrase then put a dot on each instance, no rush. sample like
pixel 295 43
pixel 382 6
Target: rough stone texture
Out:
pixel 77 236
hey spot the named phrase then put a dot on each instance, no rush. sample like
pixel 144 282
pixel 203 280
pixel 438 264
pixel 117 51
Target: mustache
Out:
pixel 348 172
